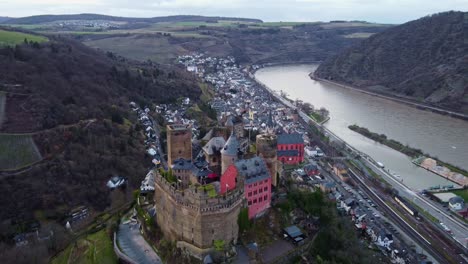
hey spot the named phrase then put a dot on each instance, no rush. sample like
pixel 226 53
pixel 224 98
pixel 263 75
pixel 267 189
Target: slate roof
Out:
pixel 252 170
pixel 310 167
pixel 214 145
pixel 456 199
pixel 294 138
pixel 293 231
pixel 232 146
pixel 288 153
pixel 182 164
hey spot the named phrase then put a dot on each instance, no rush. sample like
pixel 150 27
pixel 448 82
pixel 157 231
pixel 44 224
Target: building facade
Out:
pixel 290 148
pixel 253 177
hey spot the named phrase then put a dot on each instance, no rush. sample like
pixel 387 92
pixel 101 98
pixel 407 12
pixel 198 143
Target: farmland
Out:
pixel 17 151
pixel 10 38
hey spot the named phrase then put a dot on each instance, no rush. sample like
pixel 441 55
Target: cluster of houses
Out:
pixel 368 220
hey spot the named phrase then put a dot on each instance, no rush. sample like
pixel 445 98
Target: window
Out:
pixel 255 201
pixel 260 190
pixel 265 189
pixel 250 194
pixel 250 203
pixel 260 199
pixel 265 197
pixel 255 192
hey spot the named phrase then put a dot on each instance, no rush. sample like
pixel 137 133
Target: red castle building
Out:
pixel 290 148
pixel 257 183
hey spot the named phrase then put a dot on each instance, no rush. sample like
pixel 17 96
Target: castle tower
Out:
pixel 230 152
pixel 267 149
pixel 179 142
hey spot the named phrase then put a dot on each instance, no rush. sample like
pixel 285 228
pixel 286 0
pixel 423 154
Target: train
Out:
pixel 408 207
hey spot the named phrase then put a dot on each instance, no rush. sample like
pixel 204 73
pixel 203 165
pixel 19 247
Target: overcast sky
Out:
pixel 385 11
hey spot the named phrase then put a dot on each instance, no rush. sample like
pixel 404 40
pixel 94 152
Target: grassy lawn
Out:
pixel 462 193
pixel 17 151
pixel 11 38
pixel 95 248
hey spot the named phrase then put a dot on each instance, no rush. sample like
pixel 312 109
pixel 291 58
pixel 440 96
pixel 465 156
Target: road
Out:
pixel 459 229
pixel 432 248
pixel 132 244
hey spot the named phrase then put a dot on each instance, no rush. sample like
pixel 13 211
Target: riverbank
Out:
pixel 396 99
pixel 423 160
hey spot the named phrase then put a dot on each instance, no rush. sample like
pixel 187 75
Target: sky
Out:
pixel 381 11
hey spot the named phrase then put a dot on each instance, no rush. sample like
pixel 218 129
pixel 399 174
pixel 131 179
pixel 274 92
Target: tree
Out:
pixel 307 108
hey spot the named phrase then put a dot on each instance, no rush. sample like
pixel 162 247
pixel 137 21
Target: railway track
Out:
pixel 450 252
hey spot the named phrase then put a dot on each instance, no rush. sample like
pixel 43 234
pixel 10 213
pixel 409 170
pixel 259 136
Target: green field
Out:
pixel 17 151
pixel 462 193
pixel 95 248
pixel 10 38
pixel 2 107
pixel 359 35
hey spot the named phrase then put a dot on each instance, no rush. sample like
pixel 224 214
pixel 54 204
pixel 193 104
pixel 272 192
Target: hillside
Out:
pixel 73 103
pixel 424 60
pixel 249 43
pixel 180 18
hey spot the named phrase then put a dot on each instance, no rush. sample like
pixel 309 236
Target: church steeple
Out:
pixel 270 125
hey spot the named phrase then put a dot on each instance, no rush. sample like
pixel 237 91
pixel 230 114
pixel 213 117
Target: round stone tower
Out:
pixel 230 152
pixel 267 149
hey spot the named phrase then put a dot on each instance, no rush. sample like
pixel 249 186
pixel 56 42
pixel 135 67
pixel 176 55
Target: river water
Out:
pixel 441 136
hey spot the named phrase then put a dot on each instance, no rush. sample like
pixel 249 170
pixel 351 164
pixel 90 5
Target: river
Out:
pixel 441 136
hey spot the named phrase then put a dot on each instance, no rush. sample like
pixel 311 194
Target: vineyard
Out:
pixel 17 151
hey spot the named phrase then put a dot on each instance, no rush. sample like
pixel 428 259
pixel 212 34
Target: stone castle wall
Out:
pixel 190 215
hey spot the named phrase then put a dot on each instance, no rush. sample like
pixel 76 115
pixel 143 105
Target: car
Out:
pixel 369 201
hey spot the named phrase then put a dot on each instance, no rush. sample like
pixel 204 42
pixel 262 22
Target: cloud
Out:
pixel 386 11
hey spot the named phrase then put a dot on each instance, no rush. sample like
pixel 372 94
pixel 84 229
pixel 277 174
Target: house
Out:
pixel 384 239
pixel 327 186
pixel 294 234
pixel 290 148
pixel 348 204
pixel 339 168
pixel 311 169
pixel 115 182
pixel 344 177
pixel 456 203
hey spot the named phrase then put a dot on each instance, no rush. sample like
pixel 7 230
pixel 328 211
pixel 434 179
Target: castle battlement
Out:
pixel 195 198
pixel 193 216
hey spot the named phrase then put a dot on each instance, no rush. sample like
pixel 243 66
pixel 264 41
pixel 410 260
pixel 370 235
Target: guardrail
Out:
pixel 120 254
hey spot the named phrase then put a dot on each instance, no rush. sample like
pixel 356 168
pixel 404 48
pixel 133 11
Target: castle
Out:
pixel 198 200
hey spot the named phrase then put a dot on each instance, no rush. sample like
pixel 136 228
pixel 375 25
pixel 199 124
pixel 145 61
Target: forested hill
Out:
pixel 425 60
pixel 179 18
pixel 64 81
pixel 73 102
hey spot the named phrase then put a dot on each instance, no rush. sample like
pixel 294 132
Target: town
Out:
pixel 258 150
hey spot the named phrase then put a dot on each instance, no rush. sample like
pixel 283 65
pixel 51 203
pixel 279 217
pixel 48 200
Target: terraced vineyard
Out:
pixel 17 151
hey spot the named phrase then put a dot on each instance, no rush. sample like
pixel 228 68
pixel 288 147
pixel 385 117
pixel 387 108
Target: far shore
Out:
pixel 396 99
